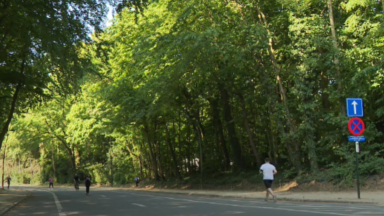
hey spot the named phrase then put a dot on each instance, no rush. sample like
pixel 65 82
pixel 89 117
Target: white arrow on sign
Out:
pixel 354 104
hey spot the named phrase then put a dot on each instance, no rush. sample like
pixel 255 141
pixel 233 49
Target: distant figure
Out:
pixel 137 180
pixel 76 182
pixel 8 181
pixel 50 182
pixel 268 171
pixel 87 184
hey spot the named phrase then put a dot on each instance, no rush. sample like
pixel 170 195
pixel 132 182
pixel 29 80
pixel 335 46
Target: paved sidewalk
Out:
pixel 367 197
pixel 9 198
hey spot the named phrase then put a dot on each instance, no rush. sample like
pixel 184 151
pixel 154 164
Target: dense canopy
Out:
pixel 178 88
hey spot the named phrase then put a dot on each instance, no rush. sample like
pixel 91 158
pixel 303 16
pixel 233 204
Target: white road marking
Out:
pixel 102 195
pixel 138 204
pixel 58 204
pixel 322 206
pixel 245 206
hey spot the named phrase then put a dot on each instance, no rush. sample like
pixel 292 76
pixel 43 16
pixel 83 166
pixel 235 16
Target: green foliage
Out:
pixel 210 81
pixel 97 173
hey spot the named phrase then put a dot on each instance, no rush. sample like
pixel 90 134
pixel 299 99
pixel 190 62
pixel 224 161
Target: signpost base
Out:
pixel 357 169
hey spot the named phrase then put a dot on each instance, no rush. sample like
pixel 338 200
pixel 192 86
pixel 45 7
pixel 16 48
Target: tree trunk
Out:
pixel 271 52
pixel 194 117
pixel 271 150
pixel 189 149
pixel 177 172
pixel 181 157
pixel 272 138
pixel 141 168
pixel 151 155
pixel 218 127
pixel 157 143
pixel 249 133
pixel 73 158
pixel 324 95
pixel 6 124
pixel 144 160
pixel 295 155
pixel 338 71
pixel 66 145
pixel 53 163
pixel 293 151
pixel 77 157
pixel 150 169
pixel 312 156
pixel 230 125
pixel 309 121
pixel 200 137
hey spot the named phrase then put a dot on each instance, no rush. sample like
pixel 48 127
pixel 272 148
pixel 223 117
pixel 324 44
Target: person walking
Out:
pixel 87 184
pixel 76 182
pixel 137 180
pixel 50 182
pixel 8 181
pixel 268 171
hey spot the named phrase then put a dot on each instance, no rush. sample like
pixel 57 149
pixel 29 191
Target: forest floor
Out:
pixel 246 183
pixel 367 197
pixel 371 189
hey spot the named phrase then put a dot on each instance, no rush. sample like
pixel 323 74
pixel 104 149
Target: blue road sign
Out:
pixel 356 138
pixel 355 107
pixel 356 126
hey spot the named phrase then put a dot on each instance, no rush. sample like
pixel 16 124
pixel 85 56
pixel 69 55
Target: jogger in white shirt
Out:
pixel 268 171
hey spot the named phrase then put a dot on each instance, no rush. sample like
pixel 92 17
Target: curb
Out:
pixel 256 198
pixel 2 212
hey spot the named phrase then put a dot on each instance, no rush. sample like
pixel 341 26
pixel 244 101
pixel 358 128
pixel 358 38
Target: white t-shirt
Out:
pixel 267 171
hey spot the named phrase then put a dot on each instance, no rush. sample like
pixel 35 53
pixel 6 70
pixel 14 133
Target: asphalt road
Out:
pixel 105 202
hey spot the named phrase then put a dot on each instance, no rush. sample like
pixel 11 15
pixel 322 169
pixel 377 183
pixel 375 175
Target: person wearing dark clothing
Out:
pixel 87 184
pixel 137 180
pixel 76 182
pixel 8 181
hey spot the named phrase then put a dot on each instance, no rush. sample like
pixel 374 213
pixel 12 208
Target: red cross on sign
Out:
pixel 356 126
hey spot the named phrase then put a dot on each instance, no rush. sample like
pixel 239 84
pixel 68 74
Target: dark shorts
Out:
pixel 268 183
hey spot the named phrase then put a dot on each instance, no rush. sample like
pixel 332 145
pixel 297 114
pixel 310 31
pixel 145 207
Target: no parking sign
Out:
pixel 356 126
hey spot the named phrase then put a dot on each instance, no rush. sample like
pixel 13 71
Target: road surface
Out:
pixel 106 202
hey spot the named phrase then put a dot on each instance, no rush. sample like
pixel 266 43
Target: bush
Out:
pixel 119 178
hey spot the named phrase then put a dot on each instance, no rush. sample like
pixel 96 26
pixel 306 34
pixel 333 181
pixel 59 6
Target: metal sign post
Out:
pixel 357 170
pixel 356 126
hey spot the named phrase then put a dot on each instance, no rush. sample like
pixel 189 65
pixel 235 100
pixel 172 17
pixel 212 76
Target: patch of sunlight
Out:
pixel 235 212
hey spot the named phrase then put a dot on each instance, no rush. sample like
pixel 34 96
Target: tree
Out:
pixel 38 46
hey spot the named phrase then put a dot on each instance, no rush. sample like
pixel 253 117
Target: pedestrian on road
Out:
pixel 8 181
pixel 76 182
pixel 50 182
pixel 268 171
pixel 87 184
pixel 137 180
